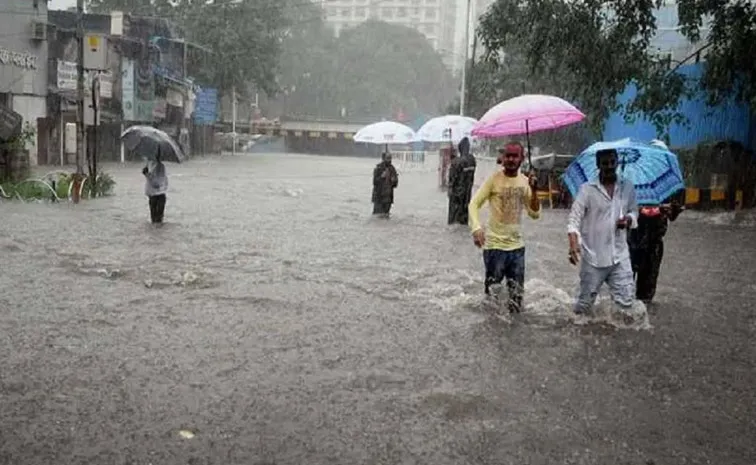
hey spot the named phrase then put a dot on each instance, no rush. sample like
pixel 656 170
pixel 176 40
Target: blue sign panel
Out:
pixel 206 106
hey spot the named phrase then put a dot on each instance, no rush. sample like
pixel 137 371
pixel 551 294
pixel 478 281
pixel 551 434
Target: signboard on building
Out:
pixel 206 106
pixel 67 77
pixel 160 109
pixel 21 60
pixel 95 52
pixel 127 89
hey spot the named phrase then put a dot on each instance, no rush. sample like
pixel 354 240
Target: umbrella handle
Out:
pixel 527 138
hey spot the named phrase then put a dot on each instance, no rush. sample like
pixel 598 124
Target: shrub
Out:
pixel 30 190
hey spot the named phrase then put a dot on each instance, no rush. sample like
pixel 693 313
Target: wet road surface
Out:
pixel 280 324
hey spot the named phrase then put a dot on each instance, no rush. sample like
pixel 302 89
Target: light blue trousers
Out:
pixel 619 279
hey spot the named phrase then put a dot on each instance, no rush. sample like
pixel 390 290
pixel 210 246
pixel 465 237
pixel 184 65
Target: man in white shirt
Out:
pixel 601 214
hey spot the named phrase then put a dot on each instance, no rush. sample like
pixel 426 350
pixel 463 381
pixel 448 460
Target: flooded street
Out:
pixel 279 323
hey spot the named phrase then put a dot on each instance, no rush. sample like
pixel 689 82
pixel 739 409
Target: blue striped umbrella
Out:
pixel 653 170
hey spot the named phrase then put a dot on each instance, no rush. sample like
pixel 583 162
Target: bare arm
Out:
pixel 532 204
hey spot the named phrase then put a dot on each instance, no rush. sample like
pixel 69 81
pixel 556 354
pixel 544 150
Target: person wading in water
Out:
pixel 385 180
pixel 647 246
pixel 602 213
pixel 507 192
pixel 461 178
pixel 155 187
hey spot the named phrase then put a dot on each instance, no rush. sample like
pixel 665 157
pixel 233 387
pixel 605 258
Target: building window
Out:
pixel 387 13
pixel 360 12
pixel 430 13
pixel 346 12
pixel 401 12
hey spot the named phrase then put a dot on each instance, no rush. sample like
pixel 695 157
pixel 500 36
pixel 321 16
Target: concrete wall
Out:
pixel 23 61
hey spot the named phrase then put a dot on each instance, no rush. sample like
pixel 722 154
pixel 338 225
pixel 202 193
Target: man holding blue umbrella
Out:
pixel 602 212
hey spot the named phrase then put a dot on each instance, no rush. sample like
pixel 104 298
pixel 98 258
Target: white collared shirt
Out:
pixel 594 217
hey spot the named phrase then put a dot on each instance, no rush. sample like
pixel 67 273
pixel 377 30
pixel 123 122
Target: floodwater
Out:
pixel 271 320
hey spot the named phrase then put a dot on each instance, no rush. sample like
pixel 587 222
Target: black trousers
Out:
pixel 157 208
pixel 381 208
pixel 457 210
pixel 647 265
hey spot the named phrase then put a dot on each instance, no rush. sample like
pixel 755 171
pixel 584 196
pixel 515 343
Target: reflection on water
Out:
pixel 277 321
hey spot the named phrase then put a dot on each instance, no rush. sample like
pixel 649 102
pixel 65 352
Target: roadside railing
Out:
pixel 49 182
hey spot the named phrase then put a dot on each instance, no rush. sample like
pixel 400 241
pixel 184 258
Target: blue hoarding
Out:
pixel 206 106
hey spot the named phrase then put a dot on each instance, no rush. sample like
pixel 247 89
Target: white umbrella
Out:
pixel 386 133
pixel 449 128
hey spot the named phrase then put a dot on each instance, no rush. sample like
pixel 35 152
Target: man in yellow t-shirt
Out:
pixel 507 191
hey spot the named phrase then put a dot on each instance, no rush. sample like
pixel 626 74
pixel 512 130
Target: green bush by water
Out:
pixel 32 190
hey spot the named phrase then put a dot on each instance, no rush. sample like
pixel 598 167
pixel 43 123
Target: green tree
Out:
pixel 370 71
pixel 729 47
pixel 306 77
pixel 244 37
pixel 385 67
pixel 596 48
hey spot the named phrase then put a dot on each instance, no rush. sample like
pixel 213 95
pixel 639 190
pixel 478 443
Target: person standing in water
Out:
pixel 508 192
pixel 647 246
pixel 602 213
pixel 385 180
pixel 155 187
pixel 461 178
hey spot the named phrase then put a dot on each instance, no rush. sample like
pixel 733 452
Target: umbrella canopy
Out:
pixel 386 133
pixel 526 114
pixel 653 170
pixel 145 141
pixel 449 128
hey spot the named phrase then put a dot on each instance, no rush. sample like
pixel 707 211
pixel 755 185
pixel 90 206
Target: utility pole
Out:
pixel 463 88
pixel 79 175
pixel 233 120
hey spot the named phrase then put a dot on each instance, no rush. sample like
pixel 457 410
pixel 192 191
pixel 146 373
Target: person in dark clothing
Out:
pixel 647 246
pixel 385 180
pixel 461 178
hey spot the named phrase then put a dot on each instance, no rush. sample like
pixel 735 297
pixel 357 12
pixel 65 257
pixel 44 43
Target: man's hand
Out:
pixel 574 255
pixel 533 180
pixel 574 251
pixel 624 222
pixel 479 238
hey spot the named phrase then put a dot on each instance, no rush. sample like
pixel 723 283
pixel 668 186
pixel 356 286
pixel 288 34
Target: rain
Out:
pixel 267 317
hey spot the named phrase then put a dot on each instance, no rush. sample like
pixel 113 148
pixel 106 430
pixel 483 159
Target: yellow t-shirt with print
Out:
pixel 507 197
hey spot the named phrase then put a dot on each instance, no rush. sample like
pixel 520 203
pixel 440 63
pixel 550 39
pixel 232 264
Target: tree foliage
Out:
pixel 492 81
pixel 729 46
pixel 240 40
pixel 370 71
pixel 587 52
pixel 590 51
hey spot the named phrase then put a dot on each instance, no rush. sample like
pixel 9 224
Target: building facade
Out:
pixel 435 19
pixel 23 61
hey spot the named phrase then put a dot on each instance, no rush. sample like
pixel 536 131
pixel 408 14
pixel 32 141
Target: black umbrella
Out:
pixel 146 141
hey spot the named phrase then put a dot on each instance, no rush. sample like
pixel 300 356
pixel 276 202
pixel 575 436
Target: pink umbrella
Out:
pixel 526 114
